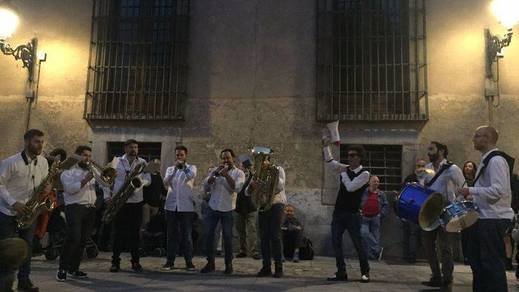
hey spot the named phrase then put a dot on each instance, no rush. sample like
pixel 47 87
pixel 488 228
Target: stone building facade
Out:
pixel 251 80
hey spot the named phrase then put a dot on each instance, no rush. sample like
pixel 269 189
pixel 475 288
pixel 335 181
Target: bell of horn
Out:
pixel 333 127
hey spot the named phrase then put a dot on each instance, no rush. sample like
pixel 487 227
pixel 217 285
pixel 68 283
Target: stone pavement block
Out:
pixel 302 276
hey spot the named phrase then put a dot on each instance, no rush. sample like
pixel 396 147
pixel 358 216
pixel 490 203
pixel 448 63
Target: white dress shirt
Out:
pixel 19 179
pixel 124 168
pixel 180 184
pixel 350 184
pixel 448 182
pixel 73 193
pixel 492 192
pixel 223 197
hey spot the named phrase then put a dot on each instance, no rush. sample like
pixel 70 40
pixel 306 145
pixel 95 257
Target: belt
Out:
pixel 89 205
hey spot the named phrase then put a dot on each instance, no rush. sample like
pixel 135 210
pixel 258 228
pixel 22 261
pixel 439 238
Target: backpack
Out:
pixel 306 252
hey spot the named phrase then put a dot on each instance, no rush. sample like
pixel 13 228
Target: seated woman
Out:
pixel 292 235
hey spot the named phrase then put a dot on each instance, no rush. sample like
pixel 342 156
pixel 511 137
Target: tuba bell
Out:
pixel 266 174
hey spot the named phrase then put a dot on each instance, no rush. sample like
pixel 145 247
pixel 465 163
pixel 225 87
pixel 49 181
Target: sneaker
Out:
pixel 190 266
pixel 61 276
pixel 265 272
pixel 364 278
pixel 168 266
pixel 78 274
pixel 209 268
pixel 241 255
pixel 433 282
pixel 339 276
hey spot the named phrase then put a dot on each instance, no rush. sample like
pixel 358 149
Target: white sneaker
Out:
pixel 364 279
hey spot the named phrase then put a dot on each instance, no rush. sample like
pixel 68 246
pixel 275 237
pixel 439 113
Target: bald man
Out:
pixel 492 194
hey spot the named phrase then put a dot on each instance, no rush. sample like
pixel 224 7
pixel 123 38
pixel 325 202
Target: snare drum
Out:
pixel 420 205
pixel 459 215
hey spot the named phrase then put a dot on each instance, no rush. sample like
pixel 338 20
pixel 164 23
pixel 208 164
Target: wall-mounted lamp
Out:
pixel 507 13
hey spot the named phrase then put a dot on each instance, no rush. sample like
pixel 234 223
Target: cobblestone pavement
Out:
pixel 303 276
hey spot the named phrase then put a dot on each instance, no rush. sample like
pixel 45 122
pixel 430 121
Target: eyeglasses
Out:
pixel 420 165
pixel 352 154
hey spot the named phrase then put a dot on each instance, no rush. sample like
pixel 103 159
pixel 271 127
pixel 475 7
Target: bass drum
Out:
pixel 421 206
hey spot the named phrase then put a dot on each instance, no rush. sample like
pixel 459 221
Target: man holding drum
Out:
pixel 447 180
pixel 492 194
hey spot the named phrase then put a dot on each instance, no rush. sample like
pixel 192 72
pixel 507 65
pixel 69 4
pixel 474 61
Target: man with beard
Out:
pixel 20 175
pixel 493 195
pixel 446 181
pixel 80 197
pixel 127 222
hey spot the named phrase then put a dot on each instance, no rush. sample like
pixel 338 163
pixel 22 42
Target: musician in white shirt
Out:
pixel 128 220
pixel 80 197
pixel 20 176
pixel 492 194
pixel 223 183
pixel 180 208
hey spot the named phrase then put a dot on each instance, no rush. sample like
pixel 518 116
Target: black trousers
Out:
pixel 270 233
pixel 179 234
pixel 292 239
pixel 126 231
pixel 80 222
pixel 486 254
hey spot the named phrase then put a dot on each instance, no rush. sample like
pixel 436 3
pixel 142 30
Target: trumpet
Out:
pixel 103 176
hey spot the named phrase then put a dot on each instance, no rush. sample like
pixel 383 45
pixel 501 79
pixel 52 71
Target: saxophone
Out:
pixel 131 183
pixel 37 203
pixel 267 175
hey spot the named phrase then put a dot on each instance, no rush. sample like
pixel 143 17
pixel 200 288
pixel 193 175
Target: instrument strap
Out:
pixel 509 160
pixel 437 175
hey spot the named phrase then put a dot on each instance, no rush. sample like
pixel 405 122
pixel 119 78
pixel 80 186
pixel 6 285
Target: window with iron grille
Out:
pixel 371 60
pixel 138 60
pixel 147 150
pixel 384 161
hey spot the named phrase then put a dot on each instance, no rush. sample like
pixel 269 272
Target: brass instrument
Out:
pixel 266 174
pixel 37 202
pixel 105 177
pixel 131 183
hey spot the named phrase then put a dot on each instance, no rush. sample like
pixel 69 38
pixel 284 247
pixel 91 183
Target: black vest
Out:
pixel 349 201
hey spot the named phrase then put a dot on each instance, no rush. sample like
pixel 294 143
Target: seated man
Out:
pixel 292 234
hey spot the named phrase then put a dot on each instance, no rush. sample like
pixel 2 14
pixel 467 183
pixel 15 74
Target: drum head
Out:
pixel 458 223
pixel 429 216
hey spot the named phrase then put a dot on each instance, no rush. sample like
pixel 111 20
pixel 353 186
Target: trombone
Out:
pixel 104 176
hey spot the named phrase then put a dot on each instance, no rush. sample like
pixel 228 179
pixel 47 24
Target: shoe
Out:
pixel 27 285
pixel 61 276
pixel 241 255
pixel 364 278
pixel 168 266
pixel 295 260
pixel 446 287
pixel 339 276
pixel 228 269
pixel 256 256
pixel 509 265
pixel 433 282
pixel 209 268
pixel 265 272
pixel 190 266
pixel 136 267
pixel 278 270
pixel 115 268
pixel 78 274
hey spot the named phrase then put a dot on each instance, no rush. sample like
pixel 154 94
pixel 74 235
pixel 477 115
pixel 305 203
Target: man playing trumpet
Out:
pixel 79 196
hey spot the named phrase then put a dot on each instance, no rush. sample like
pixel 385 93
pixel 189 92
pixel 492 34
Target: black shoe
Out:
pixel 509 265
pixel 27 285
pixel 136 267
pixel 339 276
pixel 78 274
pixel 228 269
pixel 115 268
pixel 364 278
pixel 168 266
pixel 265 272
pixel 190 266
pixel 61 276
pixel 241 255
pixel 433 282
pixel 278 270
pixel 209 268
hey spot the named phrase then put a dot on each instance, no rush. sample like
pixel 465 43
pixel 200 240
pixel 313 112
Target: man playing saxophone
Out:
pixel 20 176
pixel 127 222
pixel 80 196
